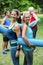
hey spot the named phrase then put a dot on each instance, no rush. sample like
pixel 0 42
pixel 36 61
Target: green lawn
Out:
pixel 38 55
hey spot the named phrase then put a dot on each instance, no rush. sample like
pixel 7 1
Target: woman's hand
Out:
pixel 33 47
pixel 17 53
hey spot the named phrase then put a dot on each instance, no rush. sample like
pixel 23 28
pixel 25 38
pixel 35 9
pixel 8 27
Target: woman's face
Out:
pixel 26 18
pixel 14 16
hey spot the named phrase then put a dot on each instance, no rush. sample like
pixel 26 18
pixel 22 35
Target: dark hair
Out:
pixel 5 12
pixel 17 11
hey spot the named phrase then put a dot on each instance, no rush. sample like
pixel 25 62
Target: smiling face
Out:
pixel 14 15
pixel 26 17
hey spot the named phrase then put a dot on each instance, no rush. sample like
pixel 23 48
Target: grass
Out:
pixel 38 55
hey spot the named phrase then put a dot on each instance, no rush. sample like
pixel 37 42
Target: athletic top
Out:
pixel 7 22
pixel 29 34
pixel 33 19
pixel 12 35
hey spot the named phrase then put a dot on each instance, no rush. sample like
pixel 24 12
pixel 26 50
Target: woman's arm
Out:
pixel 24 29
pixel 17 29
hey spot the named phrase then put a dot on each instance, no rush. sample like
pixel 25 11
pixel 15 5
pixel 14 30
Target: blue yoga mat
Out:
pixel 36 42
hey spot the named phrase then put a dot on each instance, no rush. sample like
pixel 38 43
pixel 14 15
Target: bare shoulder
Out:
pixel 24 25
pixel 17 26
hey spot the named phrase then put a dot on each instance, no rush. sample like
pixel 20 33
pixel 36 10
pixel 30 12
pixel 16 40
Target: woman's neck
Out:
pixel 26 23
pixel 14 21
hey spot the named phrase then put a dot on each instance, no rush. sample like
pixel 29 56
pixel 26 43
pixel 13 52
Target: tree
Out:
pixel 19 4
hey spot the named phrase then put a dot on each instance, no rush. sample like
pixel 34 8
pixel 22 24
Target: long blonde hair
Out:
pixel 26 13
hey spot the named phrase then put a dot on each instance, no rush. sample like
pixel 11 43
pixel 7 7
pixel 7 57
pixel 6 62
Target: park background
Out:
pixel 23 5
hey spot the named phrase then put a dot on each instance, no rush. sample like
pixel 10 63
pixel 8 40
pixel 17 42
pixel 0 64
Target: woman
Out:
pixel 5 21
pixel 26 34
pixel 33 17
pixel 11 32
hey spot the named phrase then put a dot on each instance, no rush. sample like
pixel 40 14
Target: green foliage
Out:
pixel 19 4
pixel 38 2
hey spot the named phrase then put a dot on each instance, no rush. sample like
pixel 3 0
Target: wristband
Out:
pixel 18 49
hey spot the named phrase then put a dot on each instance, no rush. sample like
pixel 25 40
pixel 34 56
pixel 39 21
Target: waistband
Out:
pixel 13 43
pixel 13 47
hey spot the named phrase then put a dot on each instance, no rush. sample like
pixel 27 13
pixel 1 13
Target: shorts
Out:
pixel 5 38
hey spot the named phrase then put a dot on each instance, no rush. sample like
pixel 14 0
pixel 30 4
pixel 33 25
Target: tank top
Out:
pixel 29 34
pixel 7 22
pixel 12 35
